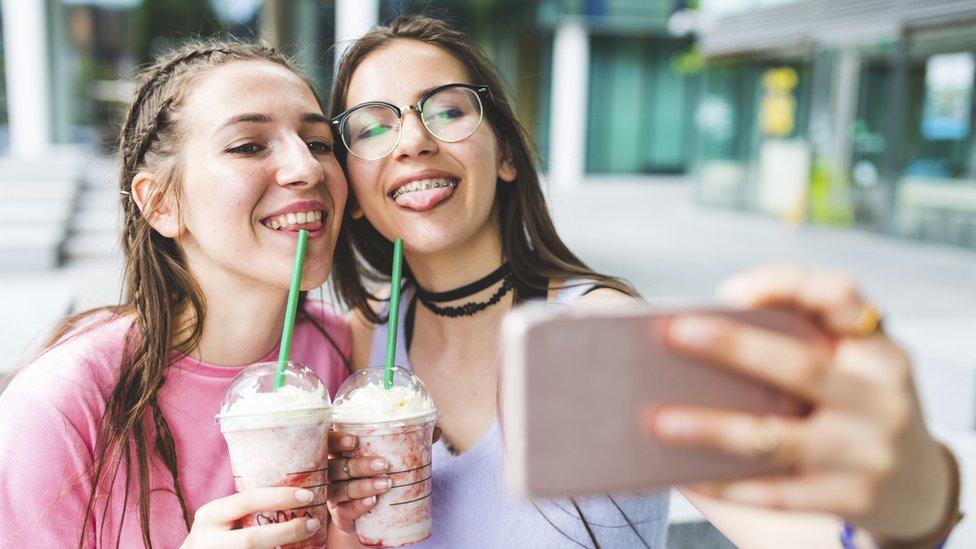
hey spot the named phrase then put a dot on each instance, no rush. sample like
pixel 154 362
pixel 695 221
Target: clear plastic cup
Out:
pixel 403 435
pixel 278 438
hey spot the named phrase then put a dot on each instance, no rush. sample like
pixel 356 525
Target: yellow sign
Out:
pixel 777 110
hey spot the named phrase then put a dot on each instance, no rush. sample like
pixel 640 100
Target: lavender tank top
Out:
pixel 472 507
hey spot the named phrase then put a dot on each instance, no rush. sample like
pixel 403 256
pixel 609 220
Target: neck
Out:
pixel 243 320
pixel 449 269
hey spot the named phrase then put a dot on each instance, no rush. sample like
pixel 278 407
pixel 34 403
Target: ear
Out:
pixel 506 168
pixel 160 211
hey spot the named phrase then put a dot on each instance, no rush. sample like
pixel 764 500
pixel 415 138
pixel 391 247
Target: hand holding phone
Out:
pixel 577 385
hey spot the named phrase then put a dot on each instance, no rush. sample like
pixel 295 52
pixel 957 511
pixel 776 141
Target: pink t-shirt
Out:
pixel 49 418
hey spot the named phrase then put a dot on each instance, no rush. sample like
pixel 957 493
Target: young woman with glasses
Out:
pixel 434 153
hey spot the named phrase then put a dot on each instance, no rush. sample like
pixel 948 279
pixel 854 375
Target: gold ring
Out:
pixel 868 321
pixel 345 489
pixel 766 440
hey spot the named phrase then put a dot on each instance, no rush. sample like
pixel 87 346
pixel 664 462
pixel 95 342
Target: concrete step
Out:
pixel 54 190
pixel 26 212
pixel 30 247
pixel 95 221
pixel 91 246
pixel 97 199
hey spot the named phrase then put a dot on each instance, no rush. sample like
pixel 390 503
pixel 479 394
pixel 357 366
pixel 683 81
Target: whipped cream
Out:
pixel 373 403
pixel 285 398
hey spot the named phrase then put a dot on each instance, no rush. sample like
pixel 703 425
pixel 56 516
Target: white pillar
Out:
pixel 567 121
pixel 28 97
pixel 353 18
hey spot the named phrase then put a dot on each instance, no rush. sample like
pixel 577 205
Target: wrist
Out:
pixel 934 536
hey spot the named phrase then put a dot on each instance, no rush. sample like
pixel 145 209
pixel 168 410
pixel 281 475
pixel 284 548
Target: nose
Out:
pixel 415 140
pixel 297 166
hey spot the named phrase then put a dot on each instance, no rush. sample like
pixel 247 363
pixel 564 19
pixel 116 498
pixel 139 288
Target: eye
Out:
pixel 450 113
pixel 246 148
pixel 373 130
pixel 319 147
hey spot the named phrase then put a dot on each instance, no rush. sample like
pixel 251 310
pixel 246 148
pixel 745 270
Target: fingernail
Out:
pixel 304 495
pixel 313 525
pixel 382 483
pixel 348 442
pixel 674 425
pixel 692 332
pixel 378 464
pixel 369 501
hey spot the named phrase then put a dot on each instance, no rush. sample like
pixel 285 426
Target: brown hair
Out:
pixel 529 239
pixel 166 305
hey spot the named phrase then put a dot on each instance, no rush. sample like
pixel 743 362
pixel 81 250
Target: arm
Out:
pixel 46 473
pixel 760 528
pixel 862 452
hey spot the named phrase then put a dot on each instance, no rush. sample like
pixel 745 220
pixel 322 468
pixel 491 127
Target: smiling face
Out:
pixel 437 195
pixel 257 165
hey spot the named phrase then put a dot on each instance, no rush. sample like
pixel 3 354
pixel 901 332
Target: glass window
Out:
pixel 639 107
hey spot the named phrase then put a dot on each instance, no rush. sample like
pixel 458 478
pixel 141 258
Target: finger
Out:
pixel 833 297
pixel 771 439
pixel 344 515
pixel 348 490
pixel 777 359
pixel 226 510
pixel 846 494
pixel 876 359
pixel 829 440
pixel 341 442
pixel 342 468
pixel 273 535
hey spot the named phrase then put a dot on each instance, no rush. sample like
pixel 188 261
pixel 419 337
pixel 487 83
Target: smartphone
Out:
pixel 576 385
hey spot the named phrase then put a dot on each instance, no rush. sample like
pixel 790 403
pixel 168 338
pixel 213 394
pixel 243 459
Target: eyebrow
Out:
pixel 258 118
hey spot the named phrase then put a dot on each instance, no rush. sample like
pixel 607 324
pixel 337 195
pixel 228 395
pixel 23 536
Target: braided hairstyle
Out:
pixel 166 305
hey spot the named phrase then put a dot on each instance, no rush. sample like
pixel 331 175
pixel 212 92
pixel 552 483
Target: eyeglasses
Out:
pixel 450 113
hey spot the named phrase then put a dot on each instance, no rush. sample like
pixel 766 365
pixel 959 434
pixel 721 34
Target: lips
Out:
pixel 308 215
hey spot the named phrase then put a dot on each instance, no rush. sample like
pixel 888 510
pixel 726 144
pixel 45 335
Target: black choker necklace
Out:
pixel 429 299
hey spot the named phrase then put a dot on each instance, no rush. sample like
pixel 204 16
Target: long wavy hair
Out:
pixel 529 239
pixel 530 243
pixel 166 305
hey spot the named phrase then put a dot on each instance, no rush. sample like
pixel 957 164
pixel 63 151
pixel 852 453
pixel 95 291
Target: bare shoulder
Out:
pixel 606 297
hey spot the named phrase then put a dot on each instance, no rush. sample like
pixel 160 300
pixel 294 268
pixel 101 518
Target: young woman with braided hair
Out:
pixel 108 438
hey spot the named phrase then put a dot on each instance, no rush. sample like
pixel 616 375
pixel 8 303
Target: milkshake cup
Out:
pixel 278 438
pixel 396 424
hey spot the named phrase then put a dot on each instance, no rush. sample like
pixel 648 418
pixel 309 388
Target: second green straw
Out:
pixel 391 334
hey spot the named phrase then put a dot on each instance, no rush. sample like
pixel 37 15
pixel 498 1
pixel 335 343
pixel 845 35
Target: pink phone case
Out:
pixel 576 385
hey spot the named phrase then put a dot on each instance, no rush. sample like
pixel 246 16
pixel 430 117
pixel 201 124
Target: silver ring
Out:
pixel 767 439
pixel 345 469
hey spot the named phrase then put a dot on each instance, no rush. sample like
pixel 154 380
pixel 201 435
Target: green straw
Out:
pixel 391 333
pixel 291 310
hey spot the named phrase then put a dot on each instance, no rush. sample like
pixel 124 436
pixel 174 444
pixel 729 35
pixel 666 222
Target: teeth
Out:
pixel 286 220
pixel 424 185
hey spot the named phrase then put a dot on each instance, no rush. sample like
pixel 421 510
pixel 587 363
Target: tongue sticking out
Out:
pixel 424 200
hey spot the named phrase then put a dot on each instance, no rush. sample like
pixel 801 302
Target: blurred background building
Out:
pixel 843 112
